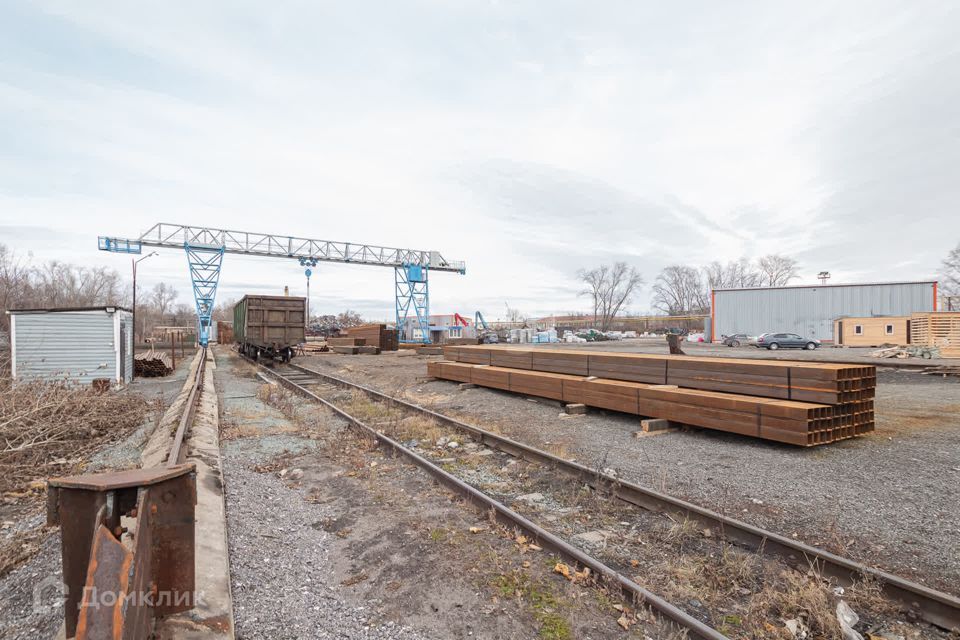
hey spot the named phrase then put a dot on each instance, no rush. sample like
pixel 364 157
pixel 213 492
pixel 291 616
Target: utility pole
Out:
pixel 134 262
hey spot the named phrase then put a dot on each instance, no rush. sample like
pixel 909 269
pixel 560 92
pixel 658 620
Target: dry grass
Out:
pixel 20 547
pixel 757 594
pixel 51 427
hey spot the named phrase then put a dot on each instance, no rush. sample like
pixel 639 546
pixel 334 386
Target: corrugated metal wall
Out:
pixel 127 320
pixel 79 345
pixel 810 311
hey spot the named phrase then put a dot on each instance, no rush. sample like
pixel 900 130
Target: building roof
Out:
pixel 106 308
pixel 818 286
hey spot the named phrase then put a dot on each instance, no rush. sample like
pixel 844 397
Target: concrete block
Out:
pixel 575 409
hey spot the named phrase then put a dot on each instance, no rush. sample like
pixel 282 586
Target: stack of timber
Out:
pixel 801 403
pixel 940 329
pixel 352 346
pixel 377 335
pixel 315 344
pixel 346 342
pixel 151 364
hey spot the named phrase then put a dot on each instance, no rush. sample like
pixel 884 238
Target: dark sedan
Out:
pixel 786 341
pixel 737 339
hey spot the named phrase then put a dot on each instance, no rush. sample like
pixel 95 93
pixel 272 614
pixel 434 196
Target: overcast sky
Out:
pixel 529 139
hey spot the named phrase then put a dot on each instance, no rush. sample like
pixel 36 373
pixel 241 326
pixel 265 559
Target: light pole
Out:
pixel 135 262
pixel 308 273
pixel 308 262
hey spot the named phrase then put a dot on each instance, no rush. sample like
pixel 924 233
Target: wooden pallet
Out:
pixel 939 329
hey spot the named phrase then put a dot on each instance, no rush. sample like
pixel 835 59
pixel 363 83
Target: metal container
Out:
pixel 80 344
pixel 269 326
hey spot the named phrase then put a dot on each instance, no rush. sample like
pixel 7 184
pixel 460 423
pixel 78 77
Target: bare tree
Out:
pixel 514 315
pixel 777 270
pixel 679 290
pixel 950 272
pixel 348 319
pixel 162 297
pixel 56 284
pixel 224 310
pixel 594 281
pixel 610 288
pixel 14 283
pixel 734 274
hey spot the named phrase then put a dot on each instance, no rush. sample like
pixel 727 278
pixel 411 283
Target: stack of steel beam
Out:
pixel 802 403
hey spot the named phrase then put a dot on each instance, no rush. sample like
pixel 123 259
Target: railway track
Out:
pixel 298 379
pixel 932 606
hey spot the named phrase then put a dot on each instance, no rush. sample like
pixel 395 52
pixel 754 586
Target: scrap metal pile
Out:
pixel 800 403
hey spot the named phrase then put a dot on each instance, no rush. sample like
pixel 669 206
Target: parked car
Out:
pixel 774 341
pixel 738 339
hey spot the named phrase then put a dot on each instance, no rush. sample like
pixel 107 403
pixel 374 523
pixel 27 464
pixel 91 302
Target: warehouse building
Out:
pixel 81 344
pixel 810 310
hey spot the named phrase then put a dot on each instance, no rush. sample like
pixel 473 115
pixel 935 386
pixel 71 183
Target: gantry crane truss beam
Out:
pixel 205 247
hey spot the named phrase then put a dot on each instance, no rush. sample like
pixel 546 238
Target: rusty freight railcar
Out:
pixel 269 326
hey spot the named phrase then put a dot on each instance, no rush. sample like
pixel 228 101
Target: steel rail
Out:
pixel 177 450
pixel 508 516
pixel 936 607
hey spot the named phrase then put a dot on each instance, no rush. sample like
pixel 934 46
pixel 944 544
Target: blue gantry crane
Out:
pixel 205 248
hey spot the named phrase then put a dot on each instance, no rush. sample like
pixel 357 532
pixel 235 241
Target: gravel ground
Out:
pixel 354 544
pixel 283 590
pixel 888 499
pixel 30 606
pixel 280 589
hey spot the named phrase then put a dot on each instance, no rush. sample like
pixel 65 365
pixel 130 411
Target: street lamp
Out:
pixel 135 262
pixel 308 262
pixel 308 273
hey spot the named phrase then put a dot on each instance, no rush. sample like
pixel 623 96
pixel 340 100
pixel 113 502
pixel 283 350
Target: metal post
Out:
pixel 135 262
pixel 306 321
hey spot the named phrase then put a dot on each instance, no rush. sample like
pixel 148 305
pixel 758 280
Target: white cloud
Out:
pixel 527 142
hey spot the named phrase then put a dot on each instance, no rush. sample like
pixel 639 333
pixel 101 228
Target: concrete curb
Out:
pixel 213 615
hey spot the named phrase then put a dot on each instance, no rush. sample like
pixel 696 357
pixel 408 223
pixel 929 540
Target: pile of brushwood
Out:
pixel 51 427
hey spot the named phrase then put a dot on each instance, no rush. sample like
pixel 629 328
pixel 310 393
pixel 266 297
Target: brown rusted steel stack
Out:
pixel 801 403
pixel 376 335
pixel 152 364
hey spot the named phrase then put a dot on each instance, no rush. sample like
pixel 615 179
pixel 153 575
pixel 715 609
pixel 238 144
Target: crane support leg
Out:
pixel 413 304
pixel 205 274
